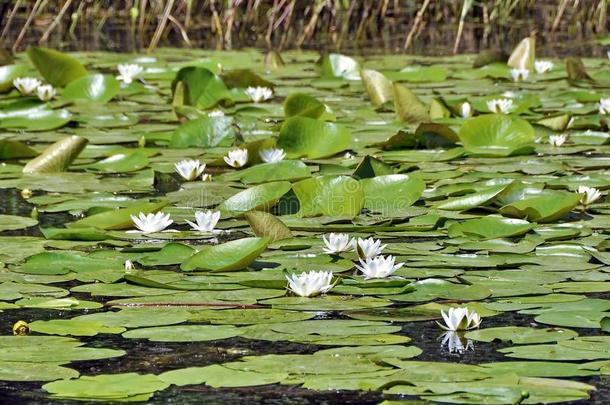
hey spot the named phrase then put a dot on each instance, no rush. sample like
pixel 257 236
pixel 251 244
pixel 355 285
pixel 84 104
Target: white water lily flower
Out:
pixel 466 110
pixel 206 177
pixel 543 66
pixel 190 169
pixel 337 243
pixel 590 194
pixel 150 223
pixel 206 220
pixel 129 265
pixel 460 318
pixel 237 157
pixel 259 94
pixel 378 267
pixel 309 284
pixel 128 72
pixel 500 105
pixel 519 74
pixel 454 343
pixel 26 85
pixel 272 155
pixel 604 106
pixel 46 92
pixel 369 248
pixel 216 113
pixel 558 140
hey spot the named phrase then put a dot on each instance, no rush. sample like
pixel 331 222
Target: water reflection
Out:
pixel 452 341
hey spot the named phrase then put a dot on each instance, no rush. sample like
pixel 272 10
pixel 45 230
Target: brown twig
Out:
pixel 311 25
pixel 26 25
pixel 161 27
pixel 416 22
pixel 181 29
pixel 10 19
pixel 56 21
pixel 562 9
pixel 216 21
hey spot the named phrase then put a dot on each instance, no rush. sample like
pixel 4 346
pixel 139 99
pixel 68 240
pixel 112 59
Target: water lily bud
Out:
pixel 26 193
pixel 21 328
pixel 142 142
pixel 34 213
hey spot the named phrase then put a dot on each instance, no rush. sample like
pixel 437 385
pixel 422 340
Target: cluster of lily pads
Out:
pixel 340 204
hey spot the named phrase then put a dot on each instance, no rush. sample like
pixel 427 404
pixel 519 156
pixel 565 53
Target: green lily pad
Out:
pixel 107 387
pixel 489 227
pixel 96 88
pixel 304 136
pixel 497 135
pixel 184 333
pixel 56 67
pixel 229 256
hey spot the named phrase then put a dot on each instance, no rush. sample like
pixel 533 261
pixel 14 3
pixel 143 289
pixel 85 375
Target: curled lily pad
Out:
pixel 409 107
pixel 377 86
pixel 304 105
pixel 524 54
pixel 233 255
pixel 267 225
pixel 57 157
pixel 198 86
pixel 335 65
pixel 14 150
pixel 56 67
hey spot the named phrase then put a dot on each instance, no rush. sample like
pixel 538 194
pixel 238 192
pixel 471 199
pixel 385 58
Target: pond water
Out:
pixel 470 177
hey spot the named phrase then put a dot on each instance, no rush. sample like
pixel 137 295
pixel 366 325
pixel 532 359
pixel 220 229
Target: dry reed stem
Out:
pixel 418 19
pixel 161 27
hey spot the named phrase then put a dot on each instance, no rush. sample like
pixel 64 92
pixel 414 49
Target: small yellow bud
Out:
pixel 142 141
pixel 26 193
pixel 21 328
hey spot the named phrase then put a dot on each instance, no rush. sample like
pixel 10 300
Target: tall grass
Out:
pixel 287 23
